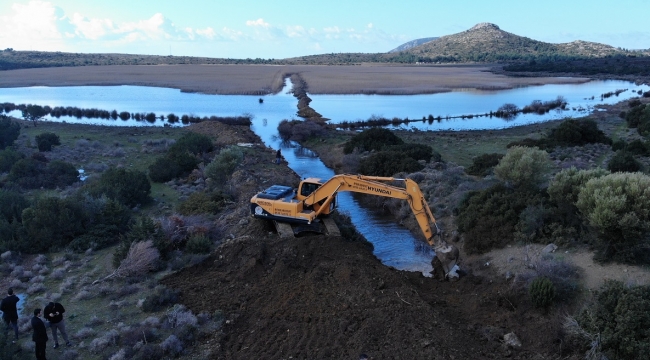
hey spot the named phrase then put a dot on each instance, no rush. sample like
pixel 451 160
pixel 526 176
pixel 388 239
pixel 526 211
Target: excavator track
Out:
pixel 284 230
pixel 330 225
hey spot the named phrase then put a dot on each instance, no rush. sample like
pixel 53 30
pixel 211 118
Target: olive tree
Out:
pixel 523 166
pixel 618 207
pixel 34 113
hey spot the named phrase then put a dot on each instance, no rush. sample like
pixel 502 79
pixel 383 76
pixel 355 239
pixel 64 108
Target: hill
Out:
pixel 412 44
pixel 486 42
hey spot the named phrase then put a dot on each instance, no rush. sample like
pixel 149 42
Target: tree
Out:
pixel 34 113
pixel 523 166
pixel 9 132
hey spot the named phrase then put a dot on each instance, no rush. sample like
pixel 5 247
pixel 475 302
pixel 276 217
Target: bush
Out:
pixel 416 151
pixel 193 143
pixel 202 203
pixel 616 205
pixel 482 165
pixel 488 218
pixel 523 167
pixel 12 204
pixel 51 224
pixel 620 316
pixel 45 141
pixel 297 130
pixel 198 244
pixel 623 161
pixel 8 157
pixel 129 187
pixel 633 117
pixel 638 147
pixel 9 132
pixel 32 174
pixel 160 299
pixel 577 133
pixel 224 164
pixel 172 165
pixel 542 292
pixel 386 163
pixel 372 139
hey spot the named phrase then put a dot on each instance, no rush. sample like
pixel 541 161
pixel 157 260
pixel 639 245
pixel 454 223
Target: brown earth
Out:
pixel 266 79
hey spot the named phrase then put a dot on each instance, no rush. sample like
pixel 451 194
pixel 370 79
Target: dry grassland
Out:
pixel 265 79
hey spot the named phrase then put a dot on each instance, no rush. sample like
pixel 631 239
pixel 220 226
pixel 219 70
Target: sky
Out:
pixel 276 29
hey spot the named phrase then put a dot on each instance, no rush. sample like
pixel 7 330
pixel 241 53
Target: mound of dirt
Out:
pixel 329 298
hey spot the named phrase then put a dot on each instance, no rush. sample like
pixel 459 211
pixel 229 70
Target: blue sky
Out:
pixel 287 28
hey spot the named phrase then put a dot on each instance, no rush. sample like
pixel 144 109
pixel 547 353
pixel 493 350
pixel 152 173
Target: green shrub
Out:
pixel 372 139
pixel 198 244
pixel 193 143
pixel 633 117
pixel 386 163
pixel 46 140
pixel 142 229
pixel 50 224
pixel 523 167
pixel 620 316
pixel 129 187
pixel 638 147
pixel 482 165
pixel 623 161
pixel 171 166
pixel 160 299
pixel 9 132
pixel 619 144
pixel 202 203
pixel 224 164
pixel 578 132
pixel 33 174
pixel 8 157
pixel 542 292
pixel 488 218
pixel 616 205
pixel 416 152
pixel 12 204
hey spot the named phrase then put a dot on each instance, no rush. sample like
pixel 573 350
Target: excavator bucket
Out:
pixel 445 263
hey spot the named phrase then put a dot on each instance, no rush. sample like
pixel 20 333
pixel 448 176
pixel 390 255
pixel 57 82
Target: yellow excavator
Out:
pixel 314 199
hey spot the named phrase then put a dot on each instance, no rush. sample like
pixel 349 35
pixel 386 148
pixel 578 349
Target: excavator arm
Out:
pixel 322 197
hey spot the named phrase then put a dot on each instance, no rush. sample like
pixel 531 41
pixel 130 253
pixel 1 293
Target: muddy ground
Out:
pixel 321 297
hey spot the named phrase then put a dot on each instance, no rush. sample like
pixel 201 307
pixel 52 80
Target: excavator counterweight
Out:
pixel 315 199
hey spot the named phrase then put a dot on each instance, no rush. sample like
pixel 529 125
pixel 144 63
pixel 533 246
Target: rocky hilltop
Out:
pixel 488 42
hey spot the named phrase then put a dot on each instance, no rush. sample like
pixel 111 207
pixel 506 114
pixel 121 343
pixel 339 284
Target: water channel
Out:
pixel 394 245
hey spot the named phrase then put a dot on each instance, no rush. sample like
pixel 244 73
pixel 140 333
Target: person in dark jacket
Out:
pixel 54 315
pixel 39 337
pixel 10 312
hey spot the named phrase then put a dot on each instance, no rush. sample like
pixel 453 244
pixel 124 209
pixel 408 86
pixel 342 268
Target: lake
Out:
pixel 393 245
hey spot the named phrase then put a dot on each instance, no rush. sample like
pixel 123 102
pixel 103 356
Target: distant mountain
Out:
pixel 412 44
pixel 486 42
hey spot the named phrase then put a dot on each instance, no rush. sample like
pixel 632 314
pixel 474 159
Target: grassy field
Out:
pixel 266 79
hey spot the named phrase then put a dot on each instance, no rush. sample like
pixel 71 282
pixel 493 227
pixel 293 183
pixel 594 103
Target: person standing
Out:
pixel 39 337
pixel 10 312
pixel 278 156
pixel 54 315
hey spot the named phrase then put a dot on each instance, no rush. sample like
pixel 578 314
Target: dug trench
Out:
pixel 324 297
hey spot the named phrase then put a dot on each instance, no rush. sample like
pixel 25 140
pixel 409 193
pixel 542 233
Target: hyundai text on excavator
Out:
pixel 314 199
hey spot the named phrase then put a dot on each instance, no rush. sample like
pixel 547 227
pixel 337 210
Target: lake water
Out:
pixel 394 245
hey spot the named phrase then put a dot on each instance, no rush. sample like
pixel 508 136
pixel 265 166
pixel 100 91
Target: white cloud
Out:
pixel 91 29
pixel 258 23
pixel 32 25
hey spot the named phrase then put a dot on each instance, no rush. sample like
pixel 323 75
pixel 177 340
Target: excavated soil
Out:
pixel 323 297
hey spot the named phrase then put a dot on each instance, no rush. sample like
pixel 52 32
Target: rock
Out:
pixel 549 249
pixel 511 340
pixel 243 222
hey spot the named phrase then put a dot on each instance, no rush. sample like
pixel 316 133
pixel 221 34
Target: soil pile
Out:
pixel 329 298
